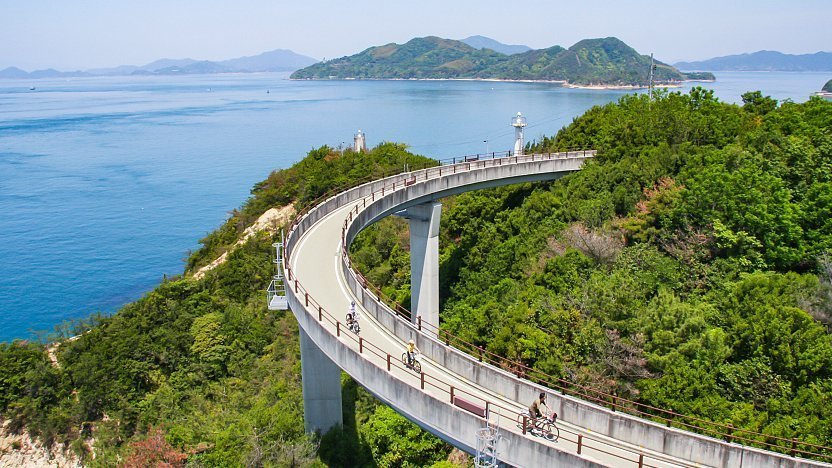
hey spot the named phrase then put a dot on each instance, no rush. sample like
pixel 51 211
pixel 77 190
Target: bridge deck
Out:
pixel 315 262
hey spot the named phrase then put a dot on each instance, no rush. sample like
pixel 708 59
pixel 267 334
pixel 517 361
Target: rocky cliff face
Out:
pixel 20 450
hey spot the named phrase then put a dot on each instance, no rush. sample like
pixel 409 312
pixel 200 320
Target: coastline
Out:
pixel 563 83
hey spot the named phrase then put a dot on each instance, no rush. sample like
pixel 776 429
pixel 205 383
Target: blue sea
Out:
pixel 107 183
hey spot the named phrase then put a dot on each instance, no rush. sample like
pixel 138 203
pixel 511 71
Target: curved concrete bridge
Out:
pixel 456 395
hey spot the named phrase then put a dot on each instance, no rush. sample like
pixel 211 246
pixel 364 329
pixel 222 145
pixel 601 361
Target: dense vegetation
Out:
pixel 688 267
pixel 591 61
pixel 199 371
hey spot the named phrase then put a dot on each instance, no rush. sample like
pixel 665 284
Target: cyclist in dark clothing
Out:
pixel 534 409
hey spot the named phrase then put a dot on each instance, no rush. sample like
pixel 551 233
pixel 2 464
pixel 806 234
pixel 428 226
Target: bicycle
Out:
pixel 543 426
pixel 416 366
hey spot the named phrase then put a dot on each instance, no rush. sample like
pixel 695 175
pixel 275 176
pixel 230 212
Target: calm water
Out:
pixel 107 183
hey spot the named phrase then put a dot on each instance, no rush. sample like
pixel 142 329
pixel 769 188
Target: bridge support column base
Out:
pixel 321 380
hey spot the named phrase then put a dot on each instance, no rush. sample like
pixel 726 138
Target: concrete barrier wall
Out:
pixel 439 417
pixel 671 441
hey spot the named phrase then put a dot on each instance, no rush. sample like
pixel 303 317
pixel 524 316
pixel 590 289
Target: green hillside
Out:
pixel 607 61
pixel 827 88
pixel 688 267
pixel 426 57
pixel 198 371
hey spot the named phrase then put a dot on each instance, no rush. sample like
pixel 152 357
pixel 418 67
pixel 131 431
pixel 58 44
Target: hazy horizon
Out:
pixel 97 34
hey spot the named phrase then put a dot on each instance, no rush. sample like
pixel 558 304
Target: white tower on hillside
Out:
pixel 518 122
pixel 359 142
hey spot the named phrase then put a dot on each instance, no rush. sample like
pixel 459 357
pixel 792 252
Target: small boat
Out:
pixel 32 88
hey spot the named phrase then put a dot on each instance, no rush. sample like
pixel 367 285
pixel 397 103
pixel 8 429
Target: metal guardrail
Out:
pixel 693 424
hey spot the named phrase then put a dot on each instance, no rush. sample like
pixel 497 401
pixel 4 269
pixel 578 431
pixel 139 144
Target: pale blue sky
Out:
pixel 83 34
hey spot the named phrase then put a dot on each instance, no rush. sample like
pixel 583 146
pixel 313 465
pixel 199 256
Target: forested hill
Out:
pixel 199 371
pixel 689 267
pixel 827 88
pixel 607 61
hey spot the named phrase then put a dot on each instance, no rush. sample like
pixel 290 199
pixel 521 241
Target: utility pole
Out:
pixel 650 79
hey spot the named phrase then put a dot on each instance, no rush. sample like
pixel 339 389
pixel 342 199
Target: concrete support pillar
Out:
pixel 321 380
pixel 424 262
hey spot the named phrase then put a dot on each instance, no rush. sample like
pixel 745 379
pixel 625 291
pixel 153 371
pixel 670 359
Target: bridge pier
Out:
pixel 321 380
pixel 424 261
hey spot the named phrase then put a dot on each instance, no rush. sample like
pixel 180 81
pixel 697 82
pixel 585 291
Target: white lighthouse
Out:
pixel 359 142
pixel 518 122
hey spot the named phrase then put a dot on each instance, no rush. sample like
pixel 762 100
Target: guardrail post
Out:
pixel 307 299
pixel 794 446
pixel 419 322
pixel 360 344
pixel 422 380
pixel 296 286
pixel 447 339
pixel 320 313
pixel 729 436
pixel 388 362
pixel 452 394
pixel 580 438
pixel 479 348
pixel 640 460
pixel 526 423
pixel 289 269
pixel 338 329
pixel 670 420
pixel 614 401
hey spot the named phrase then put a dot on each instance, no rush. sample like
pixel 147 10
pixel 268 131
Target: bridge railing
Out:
pixel 728 433
pixel 427 381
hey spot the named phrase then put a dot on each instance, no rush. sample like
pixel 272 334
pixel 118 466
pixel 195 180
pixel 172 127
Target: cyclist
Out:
pixel 535 412
pixel 411 352
pixel 352 316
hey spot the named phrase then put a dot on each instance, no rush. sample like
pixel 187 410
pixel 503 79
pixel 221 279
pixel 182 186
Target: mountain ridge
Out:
pixel 277 60
pixel 601 61
pixel 482 42
pixel 763 60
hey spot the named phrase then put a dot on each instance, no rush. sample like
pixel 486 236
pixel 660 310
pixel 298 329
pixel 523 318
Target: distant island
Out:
pixel 764 60
pixel 607 62
pixel 279 60
pixel 482 42
pixel 827 88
